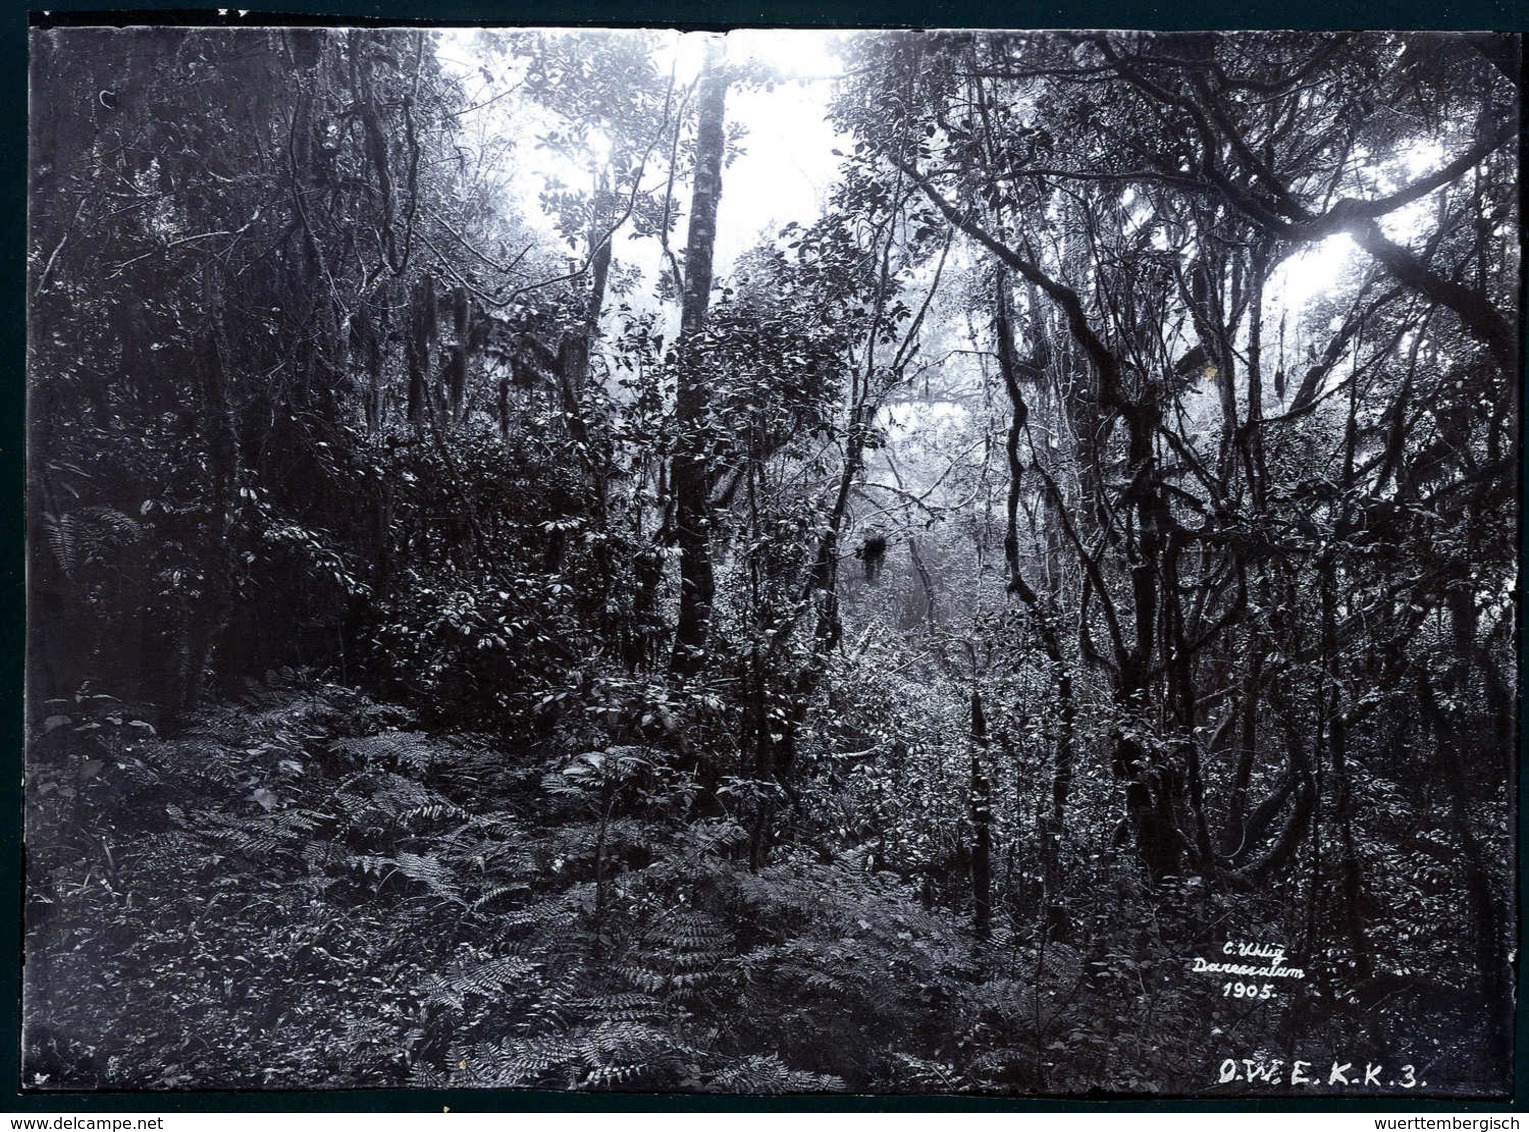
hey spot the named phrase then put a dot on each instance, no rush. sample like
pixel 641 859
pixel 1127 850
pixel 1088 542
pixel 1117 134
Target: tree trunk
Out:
pixel 575 351
pixel 1151 778
pixel 1252 432
pixel 418 350
pixel 692 476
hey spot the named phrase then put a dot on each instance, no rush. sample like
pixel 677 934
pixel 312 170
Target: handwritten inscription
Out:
pixel 1339 1074
pixel 1249 963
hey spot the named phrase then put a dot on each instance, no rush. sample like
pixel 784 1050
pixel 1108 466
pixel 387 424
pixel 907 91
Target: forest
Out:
pixel 873 562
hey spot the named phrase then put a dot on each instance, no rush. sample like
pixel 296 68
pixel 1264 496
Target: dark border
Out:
pixel 693 15
pixel 700 15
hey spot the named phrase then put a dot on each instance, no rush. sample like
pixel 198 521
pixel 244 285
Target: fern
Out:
pixel 693 932
pixel 497 891
pixel 509 1063
pixel 604 1055
pixel 623 1007
pixel 766 1073
pixel 910 1074
pixel 556 1006
pixel 474 976
pixel 87 534
pixel 427 869
pixel 423 1075
pixel 552 913
pixel 580 841
pixel 683 953
pixel 259 834
pixel 411 751
pixel 319 855
pixel 378 801
pixel 716 836
pixel 1063 963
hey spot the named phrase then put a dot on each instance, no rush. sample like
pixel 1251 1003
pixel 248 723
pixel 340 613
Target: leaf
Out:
pixel 53 722
pixel 266 798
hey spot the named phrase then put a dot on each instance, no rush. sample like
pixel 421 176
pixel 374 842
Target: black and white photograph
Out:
pixel 975 563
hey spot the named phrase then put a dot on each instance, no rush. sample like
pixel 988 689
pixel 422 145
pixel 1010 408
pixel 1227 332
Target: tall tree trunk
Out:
pixel 418 349
pixel 577 348
pixel 1252 431
pixel 1183 702
pixel 1152 781
pixel 691 479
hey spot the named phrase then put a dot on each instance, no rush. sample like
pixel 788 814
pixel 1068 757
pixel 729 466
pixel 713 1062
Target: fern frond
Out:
pixel 623 1007
pixel 474 976
pixel 86 534
pixel 1063 963
pixel 923 1075
pixel 422 1076
pixel 414 751
pixel 431 872
pixel 766 1073
pixel 62 534
pixel 428 869
pixel 495 891
pixel 259 834
pixel 523 1061
pixel 690 931
pixel 381 801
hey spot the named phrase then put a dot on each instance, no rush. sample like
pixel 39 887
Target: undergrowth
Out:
pixel 304 889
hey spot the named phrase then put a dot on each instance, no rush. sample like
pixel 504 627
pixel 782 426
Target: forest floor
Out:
pixel 303 889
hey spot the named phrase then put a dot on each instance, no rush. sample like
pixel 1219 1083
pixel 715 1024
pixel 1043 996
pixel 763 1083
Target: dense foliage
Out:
pixel 468 652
